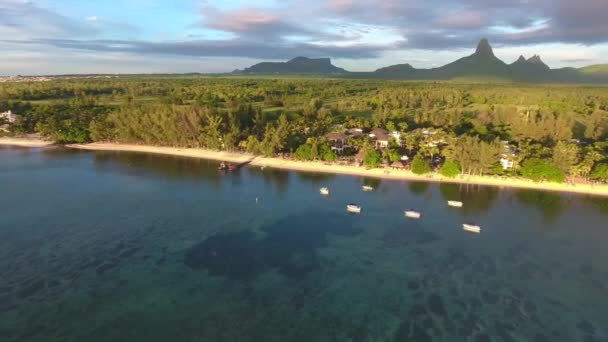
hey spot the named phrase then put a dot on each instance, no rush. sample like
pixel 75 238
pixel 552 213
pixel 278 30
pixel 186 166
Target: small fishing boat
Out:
pixel 228 167
pixel 472 228
pixel 412 214
pixel 367 188
pixel 456 204
pixel 353 208
pixel 324 191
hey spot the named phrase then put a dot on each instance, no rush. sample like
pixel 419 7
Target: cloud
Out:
pixel 211 48
pixel 26 19
pixel 345 29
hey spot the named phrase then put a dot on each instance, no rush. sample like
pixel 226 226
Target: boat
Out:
pixel 353 208
pixel 368 188
pixel 324 191
pixel 456 204
pixel 471 228
pixel 412 214
pixel 228 167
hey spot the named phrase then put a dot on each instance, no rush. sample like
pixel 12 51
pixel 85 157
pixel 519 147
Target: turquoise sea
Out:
pixel 104 246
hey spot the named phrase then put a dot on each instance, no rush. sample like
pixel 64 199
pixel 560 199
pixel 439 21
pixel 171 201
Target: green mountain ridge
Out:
pixel 295 66
pixel 481 65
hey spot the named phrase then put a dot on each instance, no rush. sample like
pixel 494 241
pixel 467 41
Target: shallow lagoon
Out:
pixel 103 246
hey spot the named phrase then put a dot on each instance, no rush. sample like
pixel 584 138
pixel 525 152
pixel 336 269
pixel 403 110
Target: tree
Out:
pixel 542 170
pixel 304 152
pixel 329 155
pixel 600 172
pixel 566 155
pixel 420 166
pixel 372 159
pixel 450 169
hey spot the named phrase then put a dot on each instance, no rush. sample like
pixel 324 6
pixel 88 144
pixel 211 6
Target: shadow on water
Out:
pixel 419 188
pixel 315 178
pixel 277 178
pixel 476 198
pixel 550 204
pixel 288 245
pixel 598 203
pixel 168 167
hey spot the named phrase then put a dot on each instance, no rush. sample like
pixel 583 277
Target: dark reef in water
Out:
pixel 287 245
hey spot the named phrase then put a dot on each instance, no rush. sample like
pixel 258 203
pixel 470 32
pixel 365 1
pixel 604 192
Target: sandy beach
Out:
pixel 24 142
pixel 397 174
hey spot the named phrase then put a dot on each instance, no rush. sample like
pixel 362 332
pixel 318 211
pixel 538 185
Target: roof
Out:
pixel 336 136
pixel 397 164
pixel 379 131
pixel 383 137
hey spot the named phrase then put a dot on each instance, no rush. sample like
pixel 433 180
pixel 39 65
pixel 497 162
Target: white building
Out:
pixel 9 116
pixel 507 164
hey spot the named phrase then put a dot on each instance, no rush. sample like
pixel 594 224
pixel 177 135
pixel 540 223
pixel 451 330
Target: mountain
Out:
pixel 530 69
pixel 598 69
pixel 482 65
pixel 298 65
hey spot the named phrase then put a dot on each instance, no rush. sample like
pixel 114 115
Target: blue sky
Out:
pixel 139 36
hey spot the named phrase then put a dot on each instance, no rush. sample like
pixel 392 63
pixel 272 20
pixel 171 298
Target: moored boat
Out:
pixel 412 214
pixel 456 204
pixel 324 191
pixel 367 188
pixel 471 228
pixel 353 208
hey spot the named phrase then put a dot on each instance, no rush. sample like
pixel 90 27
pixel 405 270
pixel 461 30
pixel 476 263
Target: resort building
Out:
pixel 507 164
pixel 337 141
pixel 9 116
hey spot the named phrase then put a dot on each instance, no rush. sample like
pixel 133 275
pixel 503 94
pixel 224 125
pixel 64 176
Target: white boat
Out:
pixel 353 208
pixel 471 228
pixel 367 188
pixel 324 191
pixel 412 214
pixel 456 204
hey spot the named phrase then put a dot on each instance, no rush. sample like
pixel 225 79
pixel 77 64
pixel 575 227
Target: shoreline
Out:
pixel 320 167
pixel 25 142
pixel 237 158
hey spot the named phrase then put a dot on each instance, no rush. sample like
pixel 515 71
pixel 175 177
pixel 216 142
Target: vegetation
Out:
pixel 420 166
pixel 547 132
pixel 372 159
pixel 450 169
pixel 542 170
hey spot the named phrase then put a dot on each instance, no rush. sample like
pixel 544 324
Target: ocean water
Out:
pixel 104 246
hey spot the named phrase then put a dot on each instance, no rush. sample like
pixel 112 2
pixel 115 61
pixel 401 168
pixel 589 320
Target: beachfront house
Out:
pixel 507 159
pixel 380 137
pixel 9 116
pixel 337 141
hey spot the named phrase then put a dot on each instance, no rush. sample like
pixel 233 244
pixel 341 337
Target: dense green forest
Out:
pixel 554 132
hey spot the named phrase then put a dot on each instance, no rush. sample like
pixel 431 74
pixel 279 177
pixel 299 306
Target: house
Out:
pixel 382 140
pixel 508 156
pixel 507 164
pixel 9 116
pixel 337 141
pixel 377 132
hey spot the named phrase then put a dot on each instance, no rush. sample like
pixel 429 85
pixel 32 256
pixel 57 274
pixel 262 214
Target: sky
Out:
pixel 176 36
